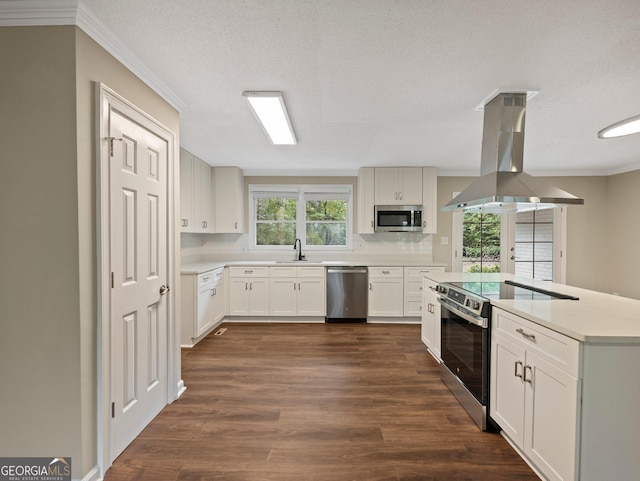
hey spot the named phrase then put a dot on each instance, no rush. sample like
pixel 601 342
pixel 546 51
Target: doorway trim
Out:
pixel 105 98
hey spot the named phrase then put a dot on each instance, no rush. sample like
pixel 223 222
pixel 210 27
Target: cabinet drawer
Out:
pixel 420 272
pixel 248 272
pixel 205 279
pixel 288 271
pixel 558 349
pixel 386 272
pixel 218 276
pixel 310 271
pixel 413 288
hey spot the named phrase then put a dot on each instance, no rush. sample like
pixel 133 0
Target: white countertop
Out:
pixel 204 266
pixel 594 318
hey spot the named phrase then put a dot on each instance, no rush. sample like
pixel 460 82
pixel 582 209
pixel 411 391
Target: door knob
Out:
pixel 163 289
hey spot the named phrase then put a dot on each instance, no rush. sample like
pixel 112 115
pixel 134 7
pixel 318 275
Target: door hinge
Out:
pixel 110 140
pixel 113 409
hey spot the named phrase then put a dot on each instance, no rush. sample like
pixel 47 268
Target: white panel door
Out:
pixel 283 292
pixel 138 246
pixel 551 418
pixel 311 296
pixel 386 298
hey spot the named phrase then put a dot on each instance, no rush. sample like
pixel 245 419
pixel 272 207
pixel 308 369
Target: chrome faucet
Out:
pixel 299 244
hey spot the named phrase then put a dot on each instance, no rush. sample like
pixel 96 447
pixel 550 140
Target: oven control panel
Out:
pixel 474 305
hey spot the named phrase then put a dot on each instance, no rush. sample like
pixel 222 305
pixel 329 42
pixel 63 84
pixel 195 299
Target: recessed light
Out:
pixel 619 129
pixel 271 112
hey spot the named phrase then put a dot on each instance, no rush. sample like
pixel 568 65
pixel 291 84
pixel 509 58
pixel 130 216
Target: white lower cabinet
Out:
pixel 536 393
pixel 249 291
pixel 413 289
pixel 386 286
pixel 297 291
pixel 430 329
pixel 202 307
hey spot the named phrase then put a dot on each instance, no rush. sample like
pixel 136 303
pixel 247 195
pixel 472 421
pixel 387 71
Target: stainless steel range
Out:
pixel 466 342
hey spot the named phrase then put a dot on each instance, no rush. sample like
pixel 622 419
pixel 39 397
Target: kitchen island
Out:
pixel 563 387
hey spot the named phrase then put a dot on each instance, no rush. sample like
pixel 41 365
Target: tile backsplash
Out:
pixel 197 247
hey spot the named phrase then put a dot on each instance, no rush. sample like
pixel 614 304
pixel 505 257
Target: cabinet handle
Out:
pixel 420 308
pixel 433 289
pixel 515 373
pixel 385 272
pixel 246 286
pixel 420 288
pixel 525 379
pixel 401 195
pixel 424 223
pixel 528 336
pixel 251 286
pixel 299 286
pixel 213 292
pixel 236 226
pixel 294 286
pixel 370 286
pixel 248 272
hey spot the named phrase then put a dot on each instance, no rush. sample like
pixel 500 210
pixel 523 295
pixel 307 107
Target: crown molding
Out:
pixel 23 13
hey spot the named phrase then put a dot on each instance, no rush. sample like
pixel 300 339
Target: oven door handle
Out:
pixel 478 321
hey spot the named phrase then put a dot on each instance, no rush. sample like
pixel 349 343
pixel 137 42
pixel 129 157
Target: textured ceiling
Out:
pixel 392 82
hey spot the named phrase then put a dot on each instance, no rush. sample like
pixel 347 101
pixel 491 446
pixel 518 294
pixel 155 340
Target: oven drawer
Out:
pixel 558 349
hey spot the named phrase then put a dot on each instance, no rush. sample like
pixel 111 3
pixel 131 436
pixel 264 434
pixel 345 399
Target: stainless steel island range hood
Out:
pixel 503 186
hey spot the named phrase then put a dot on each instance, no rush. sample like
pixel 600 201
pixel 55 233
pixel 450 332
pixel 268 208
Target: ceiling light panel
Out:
pixel 271 112
pixel 619 129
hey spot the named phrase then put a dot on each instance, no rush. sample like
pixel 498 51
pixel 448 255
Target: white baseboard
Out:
pixel 93 475
pixel 181 389
pixel 393 320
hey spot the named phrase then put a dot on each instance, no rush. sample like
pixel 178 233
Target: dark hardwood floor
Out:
pixel 315 402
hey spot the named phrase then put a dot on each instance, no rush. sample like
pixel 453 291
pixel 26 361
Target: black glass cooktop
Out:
pixel 510 290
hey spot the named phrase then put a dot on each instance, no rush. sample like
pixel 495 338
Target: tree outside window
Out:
pixel 481 242
pixel 326 222
pixel 275 221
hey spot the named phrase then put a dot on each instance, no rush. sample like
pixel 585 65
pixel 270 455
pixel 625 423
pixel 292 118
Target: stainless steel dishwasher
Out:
pixel 347 294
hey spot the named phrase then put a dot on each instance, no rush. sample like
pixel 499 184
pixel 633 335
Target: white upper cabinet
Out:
pixel 429 200
pixel 196 194
pixel 366 200
pixel 229 200
pixel 186 190
pixel 398 185
pixel 204 177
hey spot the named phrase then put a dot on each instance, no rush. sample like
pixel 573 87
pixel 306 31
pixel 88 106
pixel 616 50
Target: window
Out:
pixel 534 244
pixel 319 215
pixel 528 244
pixel 481 242
pixel 275 220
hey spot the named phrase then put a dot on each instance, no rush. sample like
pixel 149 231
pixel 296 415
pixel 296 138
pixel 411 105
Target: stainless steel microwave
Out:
pixel 398 218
